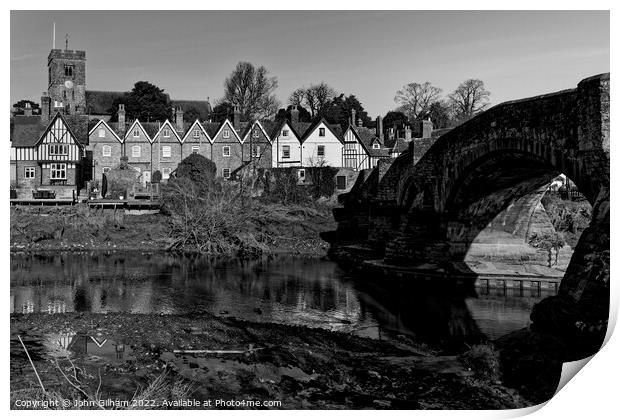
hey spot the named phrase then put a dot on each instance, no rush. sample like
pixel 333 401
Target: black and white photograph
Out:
pixel 306 209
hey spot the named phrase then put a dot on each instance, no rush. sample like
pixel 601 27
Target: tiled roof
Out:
pixel 99 102
pixel 211 128
pixel 400 145
pixel 151 128
pixel 203 107
pixel 28 130
pixel 243 129
pixel 270 127
pixel 367 137
pixel 300 128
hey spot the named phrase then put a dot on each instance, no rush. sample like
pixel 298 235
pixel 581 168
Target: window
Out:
pixel 341 182
pixel 106 169
pixel 195 149
pixel 136 151
pixel 284 133
pixel 58 149
pixel 166 151
pixel 165 173
pixel 376 146
pixel 301 174
pixel 166 132
pixel 69 70
pixel 255 133
pixel 29 172
pixel 136 132
pixel 107 151
pixel 196 134
pixel 256 151
pixel 58 171
pixel 226 151
pixel 226 173
pixel 226 134
pixel 101 132
pixel 58 104
pixel 286 152
pixel 321 132
pixel 320 151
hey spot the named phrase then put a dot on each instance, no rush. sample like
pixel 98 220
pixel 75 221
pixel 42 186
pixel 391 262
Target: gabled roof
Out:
pixel 196 125
pixel 93 125
pixel 203 107
pixel 143 126
pixel 28 131
pixel 400 146
pixel 249 128
pixel 270 127
pixel 367 137
pixel 335 129
pixel 231 126
pixel 169 124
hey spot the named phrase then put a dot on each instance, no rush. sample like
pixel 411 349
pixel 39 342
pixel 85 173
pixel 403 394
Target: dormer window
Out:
pixel 166 133
pixel 376 146
pixel 255 133
pixel 284 133
pixel 321 132
pixel 196 134
pixel 226 134
pixel 101 132
pixel 136 133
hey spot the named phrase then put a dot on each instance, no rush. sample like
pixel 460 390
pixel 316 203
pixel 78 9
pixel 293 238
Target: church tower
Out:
pixel 67 81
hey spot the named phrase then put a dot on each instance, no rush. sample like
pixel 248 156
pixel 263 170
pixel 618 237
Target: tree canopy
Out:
pixel 469 98
pixel 285 114
pixel 252 89
pixel 415 99
pixel 317 98
pixel 145 102
pixel 19 106
pixel 198 169
pixel 339 111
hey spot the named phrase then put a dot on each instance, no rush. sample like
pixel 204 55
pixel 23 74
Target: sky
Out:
pixel 370 54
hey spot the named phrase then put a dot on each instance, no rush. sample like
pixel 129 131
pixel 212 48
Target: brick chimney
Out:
pixel 427 129
pixel 380 127
pixel 27 110
pixel 45 107
pixel 121 119
pixel 359 122
pixel 236 117
pixel 353 120
pixel 178 116
pixel 294 114
pixel 407 133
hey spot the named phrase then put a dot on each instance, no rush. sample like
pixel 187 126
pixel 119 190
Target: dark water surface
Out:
pixel 291 290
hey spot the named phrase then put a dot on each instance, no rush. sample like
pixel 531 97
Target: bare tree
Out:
pixel 469 99
pixel 415 99
pixel 316 98
pixel 252 90
pixel 297 97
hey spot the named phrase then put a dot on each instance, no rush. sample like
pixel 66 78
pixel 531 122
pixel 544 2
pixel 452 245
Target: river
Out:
pixel 294 290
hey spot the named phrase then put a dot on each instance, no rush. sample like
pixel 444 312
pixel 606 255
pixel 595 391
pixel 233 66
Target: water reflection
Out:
pixel 286 290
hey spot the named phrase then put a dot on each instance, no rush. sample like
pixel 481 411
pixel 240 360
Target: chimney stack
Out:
pixel 27 110
pixel 407 133
pixel 178 116
pixel 236 117
pixel 359 122
pixel 380 127
pixel 294 114
pixel 45 107
pixel 427 129
pixel 353 120
pixel 121 119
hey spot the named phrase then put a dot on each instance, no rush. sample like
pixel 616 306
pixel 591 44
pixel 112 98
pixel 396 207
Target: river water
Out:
pixel 293 290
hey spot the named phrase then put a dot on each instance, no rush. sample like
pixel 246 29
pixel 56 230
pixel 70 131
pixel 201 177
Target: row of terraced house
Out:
pixel 72 141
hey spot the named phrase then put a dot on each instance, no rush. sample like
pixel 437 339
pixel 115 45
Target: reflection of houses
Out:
pixel 83 345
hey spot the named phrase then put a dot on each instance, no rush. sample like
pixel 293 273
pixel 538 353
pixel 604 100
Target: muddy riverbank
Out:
pixel 298 366
pixel 79 228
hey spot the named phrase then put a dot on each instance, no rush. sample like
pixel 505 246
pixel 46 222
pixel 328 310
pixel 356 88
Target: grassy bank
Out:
pixel 265 228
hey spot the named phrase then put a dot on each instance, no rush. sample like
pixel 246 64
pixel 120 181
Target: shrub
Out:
pixel 198 169
pixel 484 362
pixel 323 180
pixel 548 242
pixel 156 178
pixel 282 186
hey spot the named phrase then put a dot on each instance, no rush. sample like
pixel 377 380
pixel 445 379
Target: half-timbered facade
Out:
pixel 48 154
pixel 362 148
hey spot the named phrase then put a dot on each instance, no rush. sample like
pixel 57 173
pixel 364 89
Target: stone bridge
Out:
pixel 432 210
